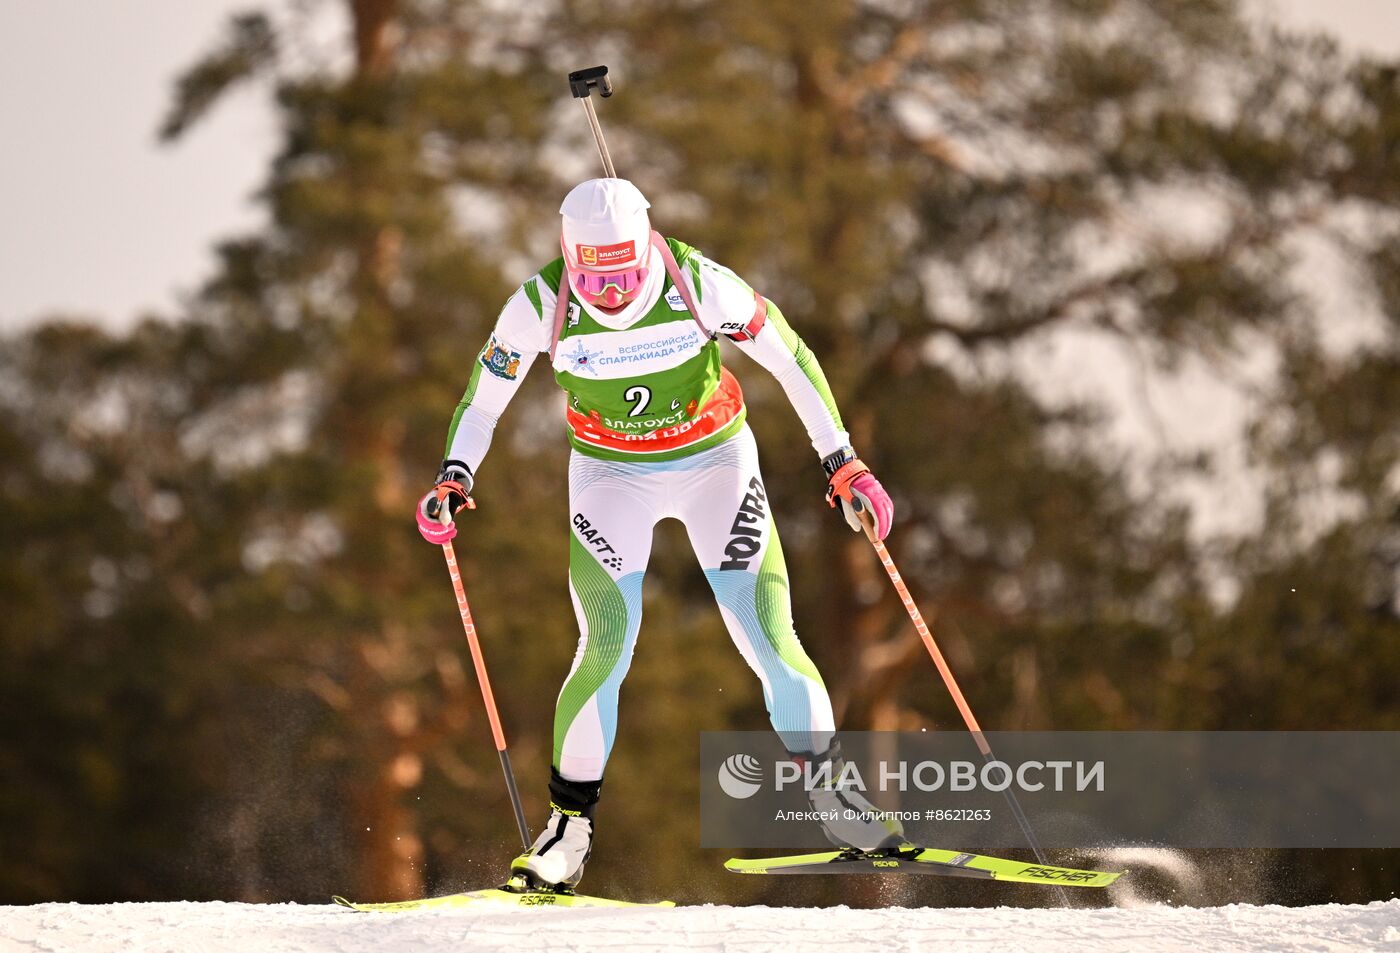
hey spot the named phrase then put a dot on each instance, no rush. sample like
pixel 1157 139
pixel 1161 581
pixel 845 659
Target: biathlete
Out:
pixel 630 323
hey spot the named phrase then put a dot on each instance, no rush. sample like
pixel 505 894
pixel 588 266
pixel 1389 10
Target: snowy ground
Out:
pixel 216 927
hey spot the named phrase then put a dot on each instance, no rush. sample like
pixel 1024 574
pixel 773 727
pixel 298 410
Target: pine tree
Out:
pixel 247 648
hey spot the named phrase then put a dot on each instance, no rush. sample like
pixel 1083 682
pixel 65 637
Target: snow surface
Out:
pixel 213 927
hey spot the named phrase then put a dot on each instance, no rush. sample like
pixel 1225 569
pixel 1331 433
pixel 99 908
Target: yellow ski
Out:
pixel 496 896
pixel 922 860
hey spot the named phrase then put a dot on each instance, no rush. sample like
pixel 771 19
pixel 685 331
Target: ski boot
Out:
pixel 554 863
pixel 847 818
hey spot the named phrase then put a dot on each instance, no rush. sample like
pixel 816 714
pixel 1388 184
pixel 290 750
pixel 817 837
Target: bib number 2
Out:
pixel 640 397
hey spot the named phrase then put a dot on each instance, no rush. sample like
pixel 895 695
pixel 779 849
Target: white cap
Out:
pixel 606 227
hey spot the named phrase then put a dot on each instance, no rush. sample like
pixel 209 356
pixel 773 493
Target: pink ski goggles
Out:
pixel 610 290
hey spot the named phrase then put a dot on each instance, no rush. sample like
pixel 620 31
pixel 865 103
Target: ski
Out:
pixel 921 860
pixel 497 896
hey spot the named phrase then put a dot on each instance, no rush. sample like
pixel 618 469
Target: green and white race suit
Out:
pixel 657 429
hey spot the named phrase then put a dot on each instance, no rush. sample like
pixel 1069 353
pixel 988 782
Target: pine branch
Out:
pixel 249 47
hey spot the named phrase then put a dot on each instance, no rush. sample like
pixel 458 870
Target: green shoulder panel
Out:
pixel 552 274
pixel 532 291
pixel 688 256
pixel 681 250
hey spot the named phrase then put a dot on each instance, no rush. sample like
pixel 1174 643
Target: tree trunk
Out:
pixel 391 856
pixel 376 32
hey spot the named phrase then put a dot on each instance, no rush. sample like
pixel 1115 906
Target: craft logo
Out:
pixel 599 255
pixel 740 776
pixel 499 360
pixel 589 535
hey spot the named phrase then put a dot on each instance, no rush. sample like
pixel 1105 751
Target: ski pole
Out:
pixel 958 698
pixel 581 83
pixel 486 695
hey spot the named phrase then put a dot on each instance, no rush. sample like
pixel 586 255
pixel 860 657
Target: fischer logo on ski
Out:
pixel 1059 873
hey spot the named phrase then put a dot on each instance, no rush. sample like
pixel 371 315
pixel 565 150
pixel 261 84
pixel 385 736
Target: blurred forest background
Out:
pixel 231 669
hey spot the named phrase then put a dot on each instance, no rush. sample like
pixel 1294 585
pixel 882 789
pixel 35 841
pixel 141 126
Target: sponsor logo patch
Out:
pixel 500 360
pixel 636 352
pixel 575 312
pixel 747 530
pixel 583 360
pixel 674 300
pixel 597 255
